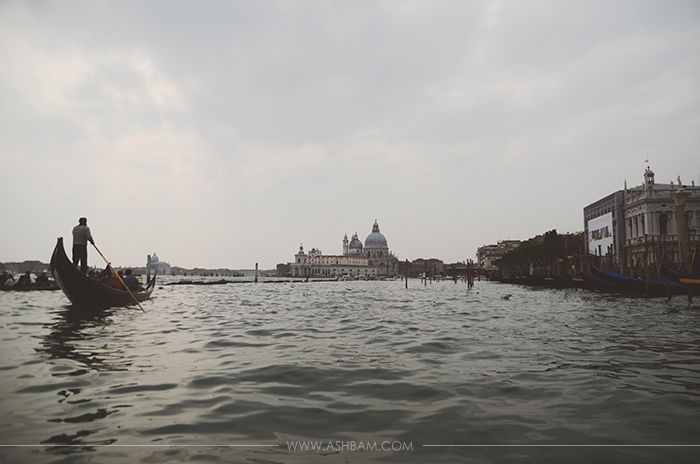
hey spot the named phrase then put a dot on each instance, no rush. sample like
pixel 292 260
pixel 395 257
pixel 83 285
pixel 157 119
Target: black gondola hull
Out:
pixel 636 286
pixel 81 290
pixel 689 280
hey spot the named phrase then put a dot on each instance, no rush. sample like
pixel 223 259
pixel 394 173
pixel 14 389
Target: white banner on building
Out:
pixel 600 234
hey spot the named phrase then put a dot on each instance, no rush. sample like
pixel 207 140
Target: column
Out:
pixel 680 198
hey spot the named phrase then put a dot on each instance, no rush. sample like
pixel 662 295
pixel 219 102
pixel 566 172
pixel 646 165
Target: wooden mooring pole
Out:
pixel 470 274
pixel 406 273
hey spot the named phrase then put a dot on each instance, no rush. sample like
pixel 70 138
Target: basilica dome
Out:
pixel 355 244
pixel 375 238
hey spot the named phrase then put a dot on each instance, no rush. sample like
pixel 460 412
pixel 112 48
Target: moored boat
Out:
pixel 17 288
pixel 81 290
pixel 690 280
pixel 637 286
pixel 591 282
pixel 550 280
pixel 574 281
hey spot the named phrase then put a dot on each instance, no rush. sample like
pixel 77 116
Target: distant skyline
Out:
pixel 224 134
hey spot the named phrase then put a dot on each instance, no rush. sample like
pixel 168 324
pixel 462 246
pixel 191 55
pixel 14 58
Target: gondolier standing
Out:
pixel 81 237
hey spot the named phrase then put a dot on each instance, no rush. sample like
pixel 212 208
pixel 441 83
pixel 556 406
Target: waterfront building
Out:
pixel 456 269
pixel 426 267
pixel 636 226
pixel 603 226
pixel 31 266
pixel 487 254
pixel 154 264
pixel 377 251
pixel 299 268
pixel 283 270
pixel 658 218
pixel 320 265
pixel 371 260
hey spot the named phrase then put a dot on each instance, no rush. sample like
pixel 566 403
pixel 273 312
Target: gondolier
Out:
pixel 81 237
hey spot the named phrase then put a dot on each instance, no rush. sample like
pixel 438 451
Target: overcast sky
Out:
pixel 221 134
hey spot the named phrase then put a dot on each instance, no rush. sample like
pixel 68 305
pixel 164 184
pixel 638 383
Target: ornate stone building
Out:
pixel 153 264
pixel 371 260
pixel 636 226
pixel 377 251
pixel 653 214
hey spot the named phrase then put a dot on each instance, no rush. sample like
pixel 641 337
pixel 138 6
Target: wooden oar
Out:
pixel 119 277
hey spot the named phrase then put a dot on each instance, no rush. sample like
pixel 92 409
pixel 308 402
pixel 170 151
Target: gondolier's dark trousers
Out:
pixel 80 256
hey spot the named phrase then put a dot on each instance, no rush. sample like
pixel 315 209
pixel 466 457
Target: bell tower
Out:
pixel 648 179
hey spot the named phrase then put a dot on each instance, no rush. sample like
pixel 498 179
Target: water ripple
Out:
pixel 352 361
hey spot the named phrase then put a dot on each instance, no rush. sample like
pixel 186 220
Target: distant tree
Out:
pixel 525 253
pixel 553 244
pixel 551 249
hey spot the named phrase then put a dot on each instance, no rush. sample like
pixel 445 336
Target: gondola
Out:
pixel 503 278
pixel 596 284
pixel 636 286
pixel 17 288
pixel 691 280
pixel 540 279
pixel 551 280
pixel 574 281
pixel 81 290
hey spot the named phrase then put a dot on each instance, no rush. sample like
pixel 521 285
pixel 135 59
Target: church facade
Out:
pixel 369 260
pixel 153 264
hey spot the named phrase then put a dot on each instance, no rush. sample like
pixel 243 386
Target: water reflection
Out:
pixel 75 443
pixel 87 340
pixel 79 335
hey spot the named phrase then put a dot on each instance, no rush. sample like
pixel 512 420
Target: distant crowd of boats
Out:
pixel 675 281
pixel 25 282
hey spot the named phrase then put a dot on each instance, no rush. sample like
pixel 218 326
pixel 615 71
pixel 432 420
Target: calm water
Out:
pixel 350 372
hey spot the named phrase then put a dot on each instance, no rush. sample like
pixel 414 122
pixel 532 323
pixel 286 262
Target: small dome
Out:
pixel 375 238
pixel 355 244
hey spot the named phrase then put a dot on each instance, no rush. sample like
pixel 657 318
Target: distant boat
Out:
pixel 81 290
pixel 19 288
